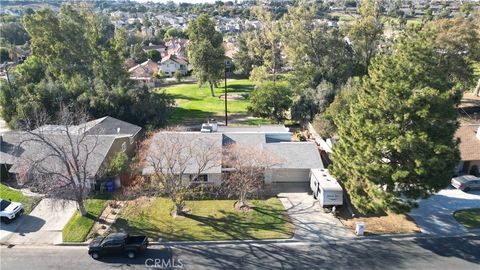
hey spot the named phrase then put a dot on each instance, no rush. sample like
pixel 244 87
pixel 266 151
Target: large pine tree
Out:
pixel 397 136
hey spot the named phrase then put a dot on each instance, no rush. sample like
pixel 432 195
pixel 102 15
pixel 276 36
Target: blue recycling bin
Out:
pixel 109 186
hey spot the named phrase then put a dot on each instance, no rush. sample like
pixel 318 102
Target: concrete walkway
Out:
pixel 311 223
pixel 42 226
pixel 435 214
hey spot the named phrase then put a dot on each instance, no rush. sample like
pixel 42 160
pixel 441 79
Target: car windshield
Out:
pixel 4 204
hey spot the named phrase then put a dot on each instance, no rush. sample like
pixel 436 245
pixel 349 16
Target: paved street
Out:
pixel 43 225
pixel 435 214
pixel 433 253
pixel 311 223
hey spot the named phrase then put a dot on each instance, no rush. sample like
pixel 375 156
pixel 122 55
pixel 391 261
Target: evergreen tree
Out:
pixel 396 139
pixel 205 51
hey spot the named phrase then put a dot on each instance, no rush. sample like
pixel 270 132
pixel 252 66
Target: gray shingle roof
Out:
pixel 112 126
pixel 16 149
pixel 253 139
pixel 295 155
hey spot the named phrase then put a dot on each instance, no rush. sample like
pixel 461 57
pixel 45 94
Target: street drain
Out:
pixel 10 246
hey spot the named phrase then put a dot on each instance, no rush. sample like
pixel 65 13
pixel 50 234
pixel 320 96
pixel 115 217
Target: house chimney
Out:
pixel 118 130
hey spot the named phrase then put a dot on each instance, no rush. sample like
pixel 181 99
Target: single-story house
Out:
pixel 469 136
pixel 102 138
pixel 212 174
pixel 293 160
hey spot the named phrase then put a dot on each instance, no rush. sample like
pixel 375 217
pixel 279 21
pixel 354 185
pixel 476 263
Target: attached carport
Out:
pixel 295 159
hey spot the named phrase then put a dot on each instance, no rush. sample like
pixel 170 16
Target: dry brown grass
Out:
pixel 389 224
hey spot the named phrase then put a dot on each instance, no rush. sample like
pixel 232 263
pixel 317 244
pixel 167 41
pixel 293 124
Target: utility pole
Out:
pixel 225 94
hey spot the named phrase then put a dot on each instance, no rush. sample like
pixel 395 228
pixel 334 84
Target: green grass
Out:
pixel 78 227
pixel 7 193
pixel 195 103
pixel 470 218
pixel 208 220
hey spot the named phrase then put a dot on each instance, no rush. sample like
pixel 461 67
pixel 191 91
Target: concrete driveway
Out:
pixel 435 214
pixel 42 226
pixel 310 221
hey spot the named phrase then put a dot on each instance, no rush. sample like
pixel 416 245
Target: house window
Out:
pixel 124 146
pixel 131 140
pixel 200 178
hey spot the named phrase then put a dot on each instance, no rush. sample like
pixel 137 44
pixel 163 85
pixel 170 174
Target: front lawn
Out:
pixel 78 227
pixel 208 220
pixel 7 193
pixel 196 104
pixel 470 218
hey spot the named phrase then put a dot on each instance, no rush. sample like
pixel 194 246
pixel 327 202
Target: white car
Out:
pixel 9 210
pixel 466 182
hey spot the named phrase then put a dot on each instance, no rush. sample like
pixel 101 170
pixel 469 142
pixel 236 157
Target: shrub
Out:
pixel 178 76
pixel 474 170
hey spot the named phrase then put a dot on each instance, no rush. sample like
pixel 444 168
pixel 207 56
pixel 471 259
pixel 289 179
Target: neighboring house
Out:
pixel 173 63
pixel 160 48
pixel 104 138
pixel 144 70
pixel 228 63
pixel 213 173
pixel 293 160
pixel 469 136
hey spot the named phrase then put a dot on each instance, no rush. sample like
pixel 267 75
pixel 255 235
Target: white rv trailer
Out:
pixel 325 188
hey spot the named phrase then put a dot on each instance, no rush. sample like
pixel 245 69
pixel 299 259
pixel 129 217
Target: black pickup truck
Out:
pixel 117 243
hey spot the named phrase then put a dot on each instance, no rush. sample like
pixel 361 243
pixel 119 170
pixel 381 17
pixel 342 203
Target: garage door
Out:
pixel 291 175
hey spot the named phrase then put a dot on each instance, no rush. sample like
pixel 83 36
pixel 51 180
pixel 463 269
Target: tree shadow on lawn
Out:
pixel 235 88
pixel 188 116
pixel 237 227
pixel 230 226
pixel 152 231
pixel 181 96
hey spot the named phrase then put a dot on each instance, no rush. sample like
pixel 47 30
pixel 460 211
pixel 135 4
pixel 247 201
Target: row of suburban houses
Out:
pixel 295 160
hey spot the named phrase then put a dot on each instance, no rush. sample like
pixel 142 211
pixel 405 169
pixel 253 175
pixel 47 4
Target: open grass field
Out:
pixel 195 103
pixel 470 218
pixel 78 227
pixel 208 220
pixel 7 193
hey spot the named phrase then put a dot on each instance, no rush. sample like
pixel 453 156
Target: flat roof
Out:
pixel 326 180
pixel 250 129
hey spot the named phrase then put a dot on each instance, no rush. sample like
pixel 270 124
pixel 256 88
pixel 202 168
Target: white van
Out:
pixel 325 188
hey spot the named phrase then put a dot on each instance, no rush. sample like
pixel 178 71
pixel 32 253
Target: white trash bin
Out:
pixel 359 228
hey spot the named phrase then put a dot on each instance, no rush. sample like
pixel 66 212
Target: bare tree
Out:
pixel 174 159
pixel 59 160
pixel 247 168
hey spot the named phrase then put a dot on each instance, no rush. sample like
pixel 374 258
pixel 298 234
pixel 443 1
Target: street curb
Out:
pixel 219 242
pixel 291 240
